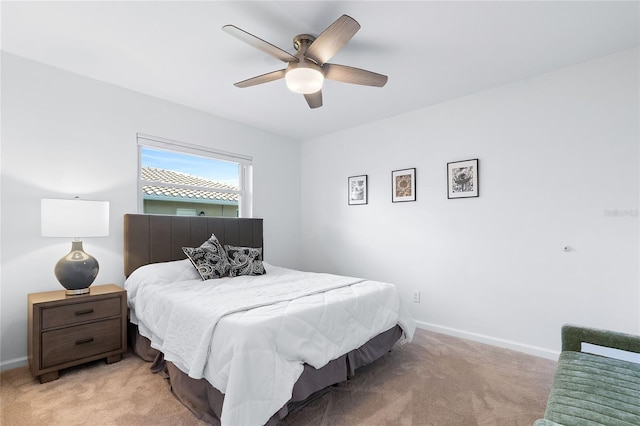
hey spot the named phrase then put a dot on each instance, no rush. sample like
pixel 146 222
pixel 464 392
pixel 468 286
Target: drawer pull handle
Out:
pixel 80 342
pixel 84 312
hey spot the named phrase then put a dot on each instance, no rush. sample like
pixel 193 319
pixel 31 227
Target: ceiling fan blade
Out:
pixel 332 39
pixel 264 78
pixel 314 99
pixel 353 75
pixel 259 43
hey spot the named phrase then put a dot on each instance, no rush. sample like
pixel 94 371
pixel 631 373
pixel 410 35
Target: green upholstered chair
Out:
pixel 590 389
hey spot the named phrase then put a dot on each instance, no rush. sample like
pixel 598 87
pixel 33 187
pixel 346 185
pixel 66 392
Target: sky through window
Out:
pixel 204 167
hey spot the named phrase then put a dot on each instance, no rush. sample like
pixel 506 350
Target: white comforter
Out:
pixel 249 336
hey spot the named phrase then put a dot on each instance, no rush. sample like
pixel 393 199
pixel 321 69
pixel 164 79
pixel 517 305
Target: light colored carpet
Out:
pixel 435 380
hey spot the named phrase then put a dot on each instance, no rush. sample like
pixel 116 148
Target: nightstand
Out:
pixel 69 330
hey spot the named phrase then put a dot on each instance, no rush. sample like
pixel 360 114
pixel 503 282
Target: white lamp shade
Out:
pixel 74 218
pixel 304 80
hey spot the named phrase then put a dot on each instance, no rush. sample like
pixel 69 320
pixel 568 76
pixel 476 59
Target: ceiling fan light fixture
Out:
pixel 307 69
pixel 304 80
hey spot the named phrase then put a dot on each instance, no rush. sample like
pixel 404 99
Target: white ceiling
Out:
pixel 432 51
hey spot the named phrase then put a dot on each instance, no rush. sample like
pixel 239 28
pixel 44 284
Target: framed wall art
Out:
pixel 403 185
pixel 462 179
pixel 357 188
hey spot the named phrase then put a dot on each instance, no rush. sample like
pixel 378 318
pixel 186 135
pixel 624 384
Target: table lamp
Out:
pixel 75 218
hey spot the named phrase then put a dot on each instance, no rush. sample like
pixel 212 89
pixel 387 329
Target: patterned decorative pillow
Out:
pixel 245 261
pixel 209 259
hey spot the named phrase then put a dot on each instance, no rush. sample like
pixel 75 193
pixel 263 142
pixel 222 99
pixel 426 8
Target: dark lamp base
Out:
pixel 77 270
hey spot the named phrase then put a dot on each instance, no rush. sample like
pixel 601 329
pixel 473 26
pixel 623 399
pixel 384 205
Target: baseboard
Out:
pixel 13 363
pixel 508 344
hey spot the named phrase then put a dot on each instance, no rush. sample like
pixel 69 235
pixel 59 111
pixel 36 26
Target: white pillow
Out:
pixel 176 270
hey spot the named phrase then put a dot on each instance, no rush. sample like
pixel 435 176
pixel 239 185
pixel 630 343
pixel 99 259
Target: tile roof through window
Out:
pixel 162 176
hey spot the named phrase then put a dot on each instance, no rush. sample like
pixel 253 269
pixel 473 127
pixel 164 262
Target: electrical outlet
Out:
pixel 416 297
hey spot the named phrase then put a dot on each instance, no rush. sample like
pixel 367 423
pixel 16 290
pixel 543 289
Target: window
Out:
pixel 181 179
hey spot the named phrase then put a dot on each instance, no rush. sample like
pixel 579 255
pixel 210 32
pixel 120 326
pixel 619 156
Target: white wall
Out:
pixel 558 156
pixel 66 135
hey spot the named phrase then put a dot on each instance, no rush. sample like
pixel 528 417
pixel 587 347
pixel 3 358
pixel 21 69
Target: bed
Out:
pixel 246 349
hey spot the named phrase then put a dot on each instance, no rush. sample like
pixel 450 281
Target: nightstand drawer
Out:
pixel 82 341
pixel 80 312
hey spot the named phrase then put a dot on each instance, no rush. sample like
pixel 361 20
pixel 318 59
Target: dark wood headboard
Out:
pixel 158 238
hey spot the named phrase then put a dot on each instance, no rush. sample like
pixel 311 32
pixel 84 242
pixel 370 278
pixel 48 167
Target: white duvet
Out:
pixel 250 336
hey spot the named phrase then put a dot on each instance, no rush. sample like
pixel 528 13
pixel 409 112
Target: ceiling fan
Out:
pixel 307 69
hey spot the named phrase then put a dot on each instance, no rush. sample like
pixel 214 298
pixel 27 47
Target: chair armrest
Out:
pixel 574 335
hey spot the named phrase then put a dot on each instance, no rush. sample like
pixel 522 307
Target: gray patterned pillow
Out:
pixel 245 260
pixel 209 259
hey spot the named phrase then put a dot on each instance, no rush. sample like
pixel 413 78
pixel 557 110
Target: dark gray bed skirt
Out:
pixel 205 401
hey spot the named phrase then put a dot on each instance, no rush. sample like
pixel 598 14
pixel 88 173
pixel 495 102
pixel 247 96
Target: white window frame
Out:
pixel 245 180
